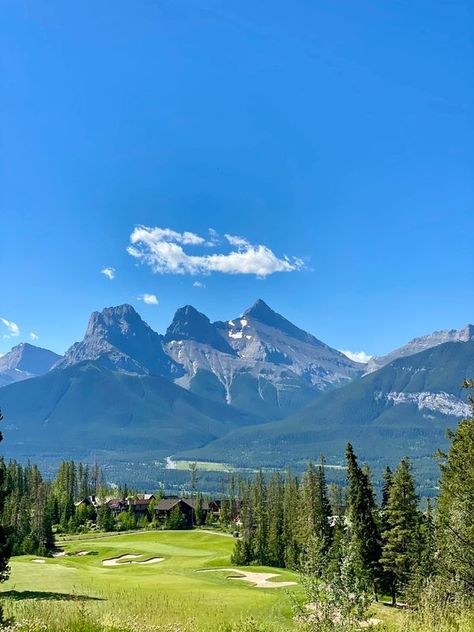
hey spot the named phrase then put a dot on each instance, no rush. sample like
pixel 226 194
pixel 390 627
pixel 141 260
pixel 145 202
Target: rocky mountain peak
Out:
pixel 265 315
pixel 24 361
pixel 190 324
pixel 466 333
pixel 122 318
pixel 120 339
pixel 260 311
pixel 29 358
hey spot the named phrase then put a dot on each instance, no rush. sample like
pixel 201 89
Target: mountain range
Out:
pixel 253 390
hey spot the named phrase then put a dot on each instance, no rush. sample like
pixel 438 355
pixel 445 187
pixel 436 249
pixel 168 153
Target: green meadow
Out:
pixel 149 596
pixel 77 593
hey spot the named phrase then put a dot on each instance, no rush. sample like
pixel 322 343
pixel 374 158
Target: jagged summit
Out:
pixel 122 340
pixel 120 321
pixel 265 315
pixel 190 324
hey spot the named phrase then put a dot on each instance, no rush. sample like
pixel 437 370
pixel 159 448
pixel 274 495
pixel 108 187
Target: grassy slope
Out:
pixel 169 591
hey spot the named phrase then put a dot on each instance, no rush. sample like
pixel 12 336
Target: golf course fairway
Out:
pixel 147 581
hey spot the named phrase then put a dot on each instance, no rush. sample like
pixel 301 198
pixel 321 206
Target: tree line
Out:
pixel 34 508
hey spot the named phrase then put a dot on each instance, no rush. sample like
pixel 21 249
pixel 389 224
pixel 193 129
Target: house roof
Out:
pixel 115 502
pixel 167 503
pixel 140 501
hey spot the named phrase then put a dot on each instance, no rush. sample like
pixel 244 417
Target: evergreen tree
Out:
pixel 105 518
pixel 387 483
pixel 309 543
pixel 199 513
pixel 456 504
pixel 176 519
pixel 364 533
pixel 260 514
pixel 244 547
pixel 427 564
pixel 5 543
pixel 275 544
pixel 224 515
pixel 400 548
pixel 290 520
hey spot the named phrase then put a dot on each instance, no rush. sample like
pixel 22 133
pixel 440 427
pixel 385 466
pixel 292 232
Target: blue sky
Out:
pixel 338 133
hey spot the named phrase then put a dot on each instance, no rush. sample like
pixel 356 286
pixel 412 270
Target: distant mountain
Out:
pixel 259 362
pixel 403 408
pixel 87 409
pixel 421 344
pixel 120 340
pixel 25 361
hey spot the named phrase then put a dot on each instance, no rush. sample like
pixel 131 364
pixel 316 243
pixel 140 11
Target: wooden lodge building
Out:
pixel 162 508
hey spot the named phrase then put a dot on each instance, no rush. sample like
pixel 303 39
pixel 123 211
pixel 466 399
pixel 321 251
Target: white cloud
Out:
pixel 235 240
pixel 149 299
pixel 33 336
pixel 13 329
pixel 108 272
pixel 357 356
pixel 162 250
pixel 213 237
pixel 198 284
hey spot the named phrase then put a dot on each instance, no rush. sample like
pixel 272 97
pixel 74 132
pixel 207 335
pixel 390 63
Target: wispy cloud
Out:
pixel 12 328
pixel 357 356
pixel 34 336
pixel 199 284
pixel 162 250
pixel 149 299
pixel 213 237
pixel 108 272
pixel 235 240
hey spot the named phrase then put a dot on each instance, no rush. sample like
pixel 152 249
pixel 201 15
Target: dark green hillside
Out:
pixel 364 413
pixel 86 409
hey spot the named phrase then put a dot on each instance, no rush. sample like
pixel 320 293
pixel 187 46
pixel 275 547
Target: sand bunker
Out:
pixel 260 580
pixel 39 561
pixel 64 554
pixel 130 558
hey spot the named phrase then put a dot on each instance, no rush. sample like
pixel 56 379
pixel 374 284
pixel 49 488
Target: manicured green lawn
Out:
pixel 164 592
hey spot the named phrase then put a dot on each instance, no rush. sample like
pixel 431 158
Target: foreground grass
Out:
pixel 65 591
pixel 79 594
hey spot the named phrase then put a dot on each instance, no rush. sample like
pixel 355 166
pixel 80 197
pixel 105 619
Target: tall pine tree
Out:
pixel 364 534
pixel 456 504
pixel 400 555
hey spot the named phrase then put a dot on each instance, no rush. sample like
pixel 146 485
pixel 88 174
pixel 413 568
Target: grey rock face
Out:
pixel 25 361
pixel 257 361
pixel 189 324
pixel 122 341
pixel 422 343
